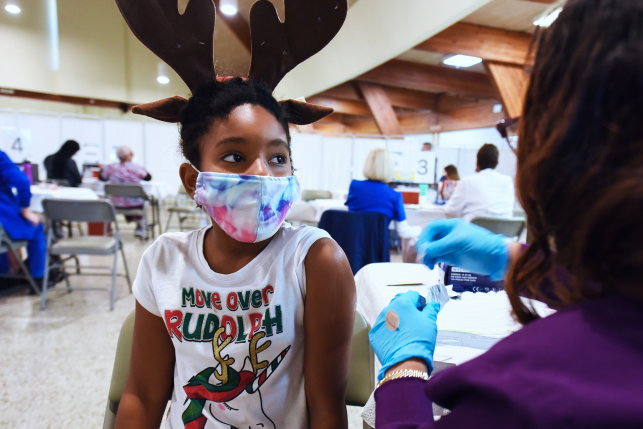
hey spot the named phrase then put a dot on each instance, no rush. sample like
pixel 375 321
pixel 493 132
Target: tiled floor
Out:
pixel 55 365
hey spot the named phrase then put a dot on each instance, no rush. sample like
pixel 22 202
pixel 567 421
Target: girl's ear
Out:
pixel 188 177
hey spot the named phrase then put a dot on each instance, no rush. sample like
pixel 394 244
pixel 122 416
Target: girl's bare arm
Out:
pixel 329 315
pixel 149 383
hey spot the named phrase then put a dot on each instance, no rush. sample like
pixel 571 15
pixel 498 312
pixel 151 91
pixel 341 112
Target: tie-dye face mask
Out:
pixel 248 208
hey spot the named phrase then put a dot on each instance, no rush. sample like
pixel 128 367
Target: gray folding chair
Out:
pixel 184 207
pixel 84 211
pixel 7 245
pixel 510 228
pixel 136 191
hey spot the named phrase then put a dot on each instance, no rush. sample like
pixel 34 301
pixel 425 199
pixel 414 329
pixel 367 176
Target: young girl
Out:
pixel 232 318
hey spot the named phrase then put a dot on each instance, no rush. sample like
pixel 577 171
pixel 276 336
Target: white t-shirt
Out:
pixel 486 193
pixel 253 376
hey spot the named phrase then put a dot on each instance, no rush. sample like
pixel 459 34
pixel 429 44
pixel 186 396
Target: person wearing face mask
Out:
pixel 232 318
pixel 579 180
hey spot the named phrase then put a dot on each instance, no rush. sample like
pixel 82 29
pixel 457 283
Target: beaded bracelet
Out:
pixel 413 373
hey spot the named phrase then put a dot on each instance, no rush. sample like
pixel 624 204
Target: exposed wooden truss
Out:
pixel 381 108
pixel 488 43
pixel 429 98
pixel 511 82
pixel 421 77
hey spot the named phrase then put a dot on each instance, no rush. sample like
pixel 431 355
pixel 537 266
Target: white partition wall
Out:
pixel 337 161
pixel 327 162
pixel 43 134
pixel 307 160
pixel 88 133
pixel 162 153
pixel 127 133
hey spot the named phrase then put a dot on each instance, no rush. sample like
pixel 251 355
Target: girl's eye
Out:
pixel 233 157
pixel 279 159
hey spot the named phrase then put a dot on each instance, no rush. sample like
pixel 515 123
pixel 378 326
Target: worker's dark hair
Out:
pixel 64 154
pixel 488 156
pixel 217 100
pixel 580 159
pixel 452 172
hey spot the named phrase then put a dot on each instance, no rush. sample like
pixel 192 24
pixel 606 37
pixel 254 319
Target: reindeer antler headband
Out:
pixel 185 42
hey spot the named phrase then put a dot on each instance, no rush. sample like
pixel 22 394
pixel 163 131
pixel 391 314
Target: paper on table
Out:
pixel 403 279
pixel 486 314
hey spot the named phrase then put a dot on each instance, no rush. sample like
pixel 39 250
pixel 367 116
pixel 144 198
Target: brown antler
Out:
pixel 279 47
pixel 185 42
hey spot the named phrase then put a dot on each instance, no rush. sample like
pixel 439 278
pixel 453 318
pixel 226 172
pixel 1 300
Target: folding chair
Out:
pixel 84 211
pixel 135 191
pixel 361 372
pixel 184 207
pixel 7 245
pixel 510 228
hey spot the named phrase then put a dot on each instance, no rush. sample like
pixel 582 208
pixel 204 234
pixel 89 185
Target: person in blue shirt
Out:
pixel 374 195
pixel 18 221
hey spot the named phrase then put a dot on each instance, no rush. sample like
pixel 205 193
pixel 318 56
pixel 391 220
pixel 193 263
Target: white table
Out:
pixel 466 327
pixel 38 194
pixel 158 190
pixel 420 216
pixel 312 211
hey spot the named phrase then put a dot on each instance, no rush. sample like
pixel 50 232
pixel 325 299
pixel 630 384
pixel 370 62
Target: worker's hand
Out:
pixel 464 245
pixel 30 216
pixel 409 332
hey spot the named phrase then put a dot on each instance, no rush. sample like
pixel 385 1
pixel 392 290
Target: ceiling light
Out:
pixel 229 7
pixel 162 74
pixel 548 19
pixel 12 7
pixel 462 61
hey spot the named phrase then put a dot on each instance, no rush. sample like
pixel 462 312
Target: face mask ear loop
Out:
pixel 192 165
pixel 198 206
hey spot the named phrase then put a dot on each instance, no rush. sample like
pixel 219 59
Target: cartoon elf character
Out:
pixel 236 400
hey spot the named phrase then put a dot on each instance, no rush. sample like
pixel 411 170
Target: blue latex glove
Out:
pixel 415 336
pixel 464 245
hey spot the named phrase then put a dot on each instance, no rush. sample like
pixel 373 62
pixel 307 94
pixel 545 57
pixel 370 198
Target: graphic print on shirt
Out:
pixel 222 393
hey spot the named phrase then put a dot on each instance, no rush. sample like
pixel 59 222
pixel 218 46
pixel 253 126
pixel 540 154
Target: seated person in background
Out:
pixel 427 147
pixel 448 182
pixel 60 166
pixel 374 195
pixel 125 172
pixel 486 193
pixel 18 221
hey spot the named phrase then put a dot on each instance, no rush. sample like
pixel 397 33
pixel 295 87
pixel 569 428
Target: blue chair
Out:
pixel 364 236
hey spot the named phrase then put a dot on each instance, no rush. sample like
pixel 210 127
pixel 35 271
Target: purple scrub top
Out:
pixel 579 368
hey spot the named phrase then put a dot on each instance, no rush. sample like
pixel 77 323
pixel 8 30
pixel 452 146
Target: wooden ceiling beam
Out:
pixel 237 25
pixel 479 115
pixel 344 91
pixel 487 43
pixel 402 97
pixel 421 77
pixel 381 108
pixel 472 116
pixel 82 101
pixel 511 82
pixel 348 107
